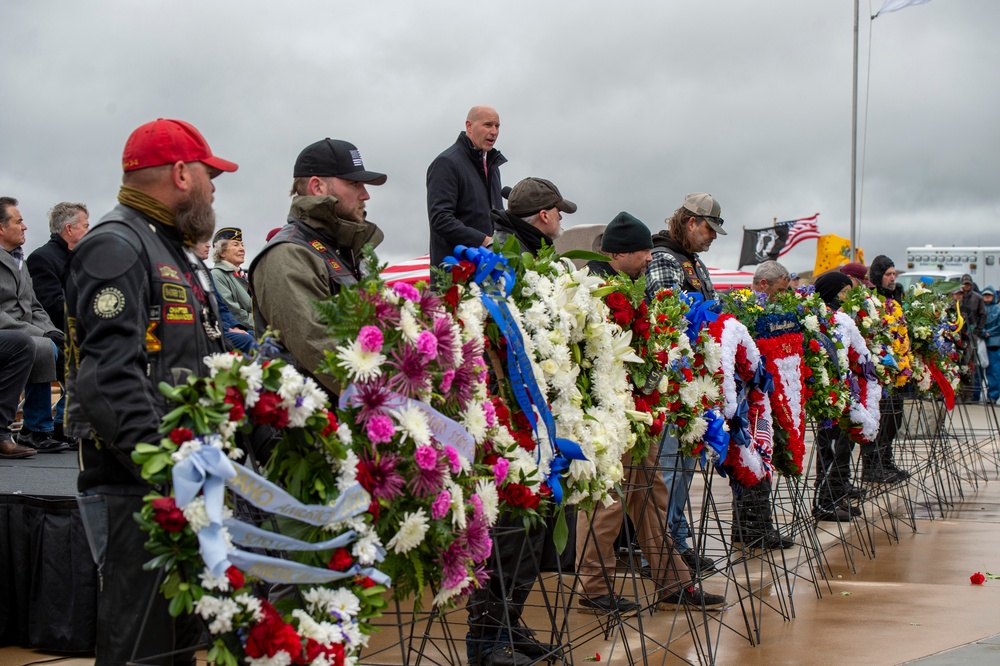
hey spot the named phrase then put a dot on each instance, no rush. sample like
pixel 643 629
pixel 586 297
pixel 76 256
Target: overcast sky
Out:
pixel 625 106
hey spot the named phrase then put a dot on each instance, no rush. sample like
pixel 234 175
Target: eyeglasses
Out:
pixel 709 218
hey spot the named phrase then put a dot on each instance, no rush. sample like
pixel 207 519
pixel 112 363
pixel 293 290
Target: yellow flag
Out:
pixel 832 251
pixel 861 255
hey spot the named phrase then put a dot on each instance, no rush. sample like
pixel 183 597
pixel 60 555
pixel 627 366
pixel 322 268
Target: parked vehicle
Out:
pixel 951 263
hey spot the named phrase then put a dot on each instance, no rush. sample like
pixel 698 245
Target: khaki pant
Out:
pixel 646 498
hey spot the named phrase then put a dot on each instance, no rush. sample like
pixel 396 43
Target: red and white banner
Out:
pixel 418 269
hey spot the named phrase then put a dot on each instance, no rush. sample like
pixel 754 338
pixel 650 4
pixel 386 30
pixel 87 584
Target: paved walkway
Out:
pixel 911 603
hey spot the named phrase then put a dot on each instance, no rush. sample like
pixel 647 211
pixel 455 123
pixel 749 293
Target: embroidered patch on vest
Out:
pixel 692 277
pixel 319 246
pixel 109 303
pixel 335 264
pixel 153 343
pixel 168 272
pixel 174 293
pixel 179 314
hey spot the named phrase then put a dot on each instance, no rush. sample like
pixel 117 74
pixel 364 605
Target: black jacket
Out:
pixel 459 198
pixel 47 266
pixel 138 315
pixel 506 224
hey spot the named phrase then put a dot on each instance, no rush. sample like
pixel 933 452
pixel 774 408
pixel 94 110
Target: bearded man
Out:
pixel 140 311
pixel 316 253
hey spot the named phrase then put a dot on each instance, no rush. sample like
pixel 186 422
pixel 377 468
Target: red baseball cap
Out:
pixel 165 141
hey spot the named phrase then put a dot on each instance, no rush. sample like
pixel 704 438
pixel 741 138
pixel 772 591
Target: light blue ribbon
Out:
pixel 205 470
pixel 254 537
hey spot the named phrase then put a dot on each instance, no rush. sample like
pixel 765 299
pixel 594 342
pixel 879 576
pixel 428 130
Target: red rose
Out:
pixel 235 577
pixel 331 425
pixel 452 297
pixel 267 412
pixel 364 476
pixel 234 398
pixel 364 582
pixel 977 578
pixel 166 513
pixel 271 635
pixel 180 435
pixel 462 271
pixel 688 375
pixel 517 494
pixel 341 560
pixel 662 357
pixel 641 327
pixel 814 346
pixel 375 509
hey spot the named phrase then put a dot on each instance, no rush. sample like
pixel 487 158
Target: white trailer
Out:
pixel 951 263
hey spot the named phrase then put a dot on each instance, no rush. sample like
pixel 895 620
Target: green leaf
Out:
pixel 560 533
pixel 585 255
pixel 155 464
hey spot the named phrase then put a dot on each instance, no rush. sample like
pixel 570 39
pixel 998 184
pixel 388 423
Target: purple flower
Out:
pixel 454 464
pixel 385 481
pixel 500 470
pixel 427 345
pixel 445 336
pixel 441 505
pixel 380 429
pixel 426 482
pixel 370 339
pixel 412 377
pixel 406 291
pixel 478 543
pixel 453 568
pixel 446 379
pixel 426 457
pixel 372 397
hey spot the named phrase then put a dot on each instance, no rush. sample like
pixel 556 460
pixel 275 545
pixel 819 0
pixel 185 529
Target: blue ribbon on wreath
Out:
pixel 488 264
pixel 490 269
pixel 716 438
pixel 700 313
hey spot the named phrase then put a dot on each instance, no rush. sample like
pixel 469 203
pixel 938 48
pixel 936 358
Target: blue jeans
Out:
pixel 678 471
pixel 993 374
pixel 38 407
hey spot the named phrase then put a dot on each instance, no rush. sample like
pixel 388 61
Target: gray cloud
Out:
pixel 625 107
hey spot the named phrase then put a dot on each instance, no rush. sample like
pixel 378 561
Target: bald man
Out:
pixel 463 186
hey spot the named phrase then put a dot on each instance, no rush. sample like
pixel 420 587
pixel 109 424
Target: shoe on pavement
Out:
pixel 696 562
pixel 503 655
pixel 525 642
pixel 11 451
pixel 608 603
pixel 773 540
pixel 833 513
pixel 42 442
pixel 694 597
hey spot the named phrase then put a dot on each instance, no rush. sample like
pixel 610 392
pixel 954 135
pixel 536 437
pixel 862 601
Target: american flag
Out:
pixel 800 230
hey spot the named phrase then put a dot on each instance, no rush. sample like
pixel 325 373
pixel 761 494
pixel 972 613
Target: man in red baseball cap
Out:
pixel 140 310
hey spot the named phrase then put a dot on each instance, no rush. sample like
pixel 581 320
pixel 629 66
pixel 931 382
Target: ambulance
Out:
pixel 951 263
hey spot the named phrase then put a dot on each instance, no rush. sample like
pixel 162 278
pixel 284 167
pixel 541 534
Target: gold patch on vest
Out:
pixel 174 293
pixel 153 343
pixel 691 275
pixel 109 303
pixel 179 314
pixel 336 265
pixel 319 246
pixel 168 272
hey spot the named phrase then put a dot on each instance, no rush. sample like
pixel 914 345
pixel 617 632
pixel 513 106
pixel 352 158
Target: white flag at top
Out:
pixel 896 5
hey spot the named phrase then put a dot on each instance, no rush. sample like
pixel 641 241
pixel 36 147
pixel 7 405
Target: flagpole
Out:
pixel 854 138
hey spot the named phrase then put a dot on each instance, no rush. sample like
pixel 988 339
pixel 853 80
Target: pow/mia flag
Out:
pixel 762 244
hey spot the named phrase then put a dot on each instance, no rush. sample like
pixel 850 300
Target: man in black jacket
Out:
pixel 463 186
pixel 140 311
pixel 68 222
